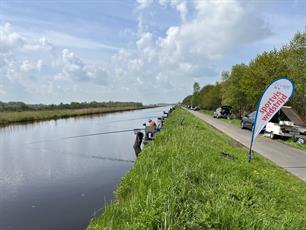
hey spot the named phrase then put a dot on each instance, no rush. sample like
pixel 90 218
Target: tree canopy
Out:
pixel 242 86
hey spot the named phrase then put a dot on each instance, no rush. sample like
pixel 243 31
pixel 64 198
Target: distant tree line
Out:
pixel 242 86
pixel 20 106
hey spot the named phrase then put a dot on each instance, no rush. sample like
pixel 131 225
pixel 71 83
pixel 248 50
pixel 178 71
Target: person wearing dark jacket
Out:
pixel 137 144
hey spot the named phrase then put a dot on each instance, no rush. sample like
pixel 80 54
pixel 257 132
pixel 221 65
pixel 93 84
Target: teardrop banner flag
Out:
pixel 273 98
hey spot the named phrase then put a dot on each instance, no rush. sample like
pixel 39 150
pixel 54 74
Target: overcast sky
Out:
pixel 145 50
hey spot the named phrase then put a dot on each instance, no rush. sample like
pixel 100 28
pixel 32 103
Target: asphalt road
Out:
pixel 291 159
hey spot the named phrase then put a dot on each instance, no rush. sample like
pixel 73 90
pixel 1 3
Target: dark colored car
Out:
pixel 248 120
pixel 195 108
pixel 223 112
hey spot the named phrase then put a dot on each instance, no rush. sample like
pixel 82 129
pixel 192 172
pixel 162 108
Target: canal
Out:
pixel 49 181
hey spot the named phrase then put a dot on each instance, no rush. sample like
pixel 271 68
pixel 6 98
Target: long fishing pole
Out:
pixel 131 119
pixel 111 159
pixel 89 156
pixel 96 134
pixel 102 133
pixel 86 135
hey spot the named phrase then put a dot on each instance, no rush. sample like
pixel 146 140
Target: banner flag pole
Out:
pixel 250 157
pixel 273 98
pixel 250 152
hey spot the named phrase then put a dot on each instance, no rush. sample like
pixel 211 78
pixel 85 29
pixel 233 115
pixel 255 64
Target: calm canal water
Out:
pixel 49 182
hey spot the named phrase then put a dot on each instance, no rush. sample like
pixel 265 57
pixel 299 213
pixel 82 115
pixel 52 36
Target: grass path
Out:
pixel 181 182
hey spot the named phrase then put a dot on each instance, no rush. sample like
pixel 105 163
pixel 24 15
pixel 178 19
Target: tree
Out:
pixel 211 96
pixel 295 57
pixel 243 85
pixel 196 87
pixel 232 91
pixel 196 96
pixel 187 100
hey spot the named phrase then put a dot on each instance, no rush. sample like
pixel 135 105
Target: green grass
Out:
pixel 207 112
pixel 31 116
pixel 179 181
pixel 235 122
pixel 294 144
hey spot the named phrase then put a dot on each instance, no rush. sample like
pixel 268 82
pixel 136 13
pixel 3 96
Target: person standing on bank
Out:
pixel 137 144
pixel 152 123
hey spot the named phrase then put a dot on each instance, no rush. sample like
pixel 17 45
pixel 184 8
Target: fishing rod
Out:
pixel 102 133
pixel 131 119
pixel 90 156
pixel 86 135
pixel 111 159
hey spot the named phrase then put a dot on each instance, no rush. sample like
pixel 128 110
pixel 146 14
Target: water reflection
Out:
pixel 47 182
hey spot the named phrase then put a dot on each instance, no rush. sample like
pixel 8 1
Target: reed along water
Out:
pixel 52 179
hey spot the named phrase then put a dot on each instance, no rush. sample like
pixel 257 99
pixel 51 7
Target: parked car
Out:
pixel 195 108
pixel 247 121
pixel 223 112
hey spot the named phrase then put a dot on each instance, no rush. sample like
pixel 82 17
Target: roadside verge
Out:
pixel 289 158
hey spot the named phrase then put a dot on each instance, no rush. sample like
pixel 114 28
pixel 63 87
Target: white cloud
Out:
pixel 182 8
pixel 146 39
pixel 73 68
pixel 188 51
pixel 39 64
pixel 163 81
pixel 19 57
pixel 142 4
pixel 157 65
pixel 37 67
pixel 9 39
pixel 38 45
pixel 26 66
pixel 219 26
pixel 70 41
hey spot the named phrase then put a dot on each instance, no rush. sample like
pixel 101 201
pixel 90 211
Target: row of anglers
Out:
pixel 150 130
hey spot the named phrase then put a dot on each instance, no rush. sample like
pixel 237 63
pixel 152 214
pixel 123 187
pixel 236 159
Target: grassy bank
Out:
pixel 181 182
pixel 31 116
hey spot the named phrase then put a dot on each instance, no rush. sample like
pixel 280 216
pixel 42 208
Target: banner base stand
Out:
pixel 250 156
